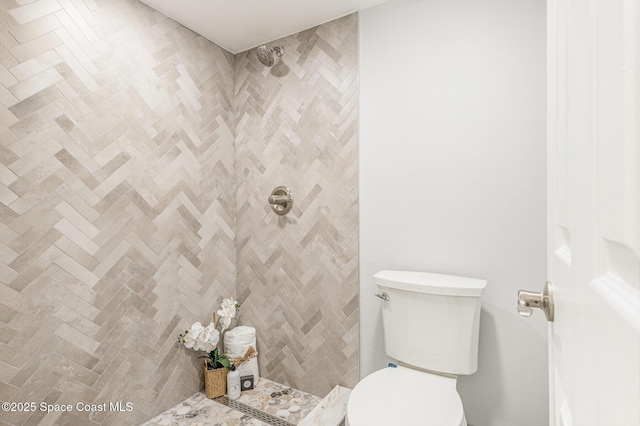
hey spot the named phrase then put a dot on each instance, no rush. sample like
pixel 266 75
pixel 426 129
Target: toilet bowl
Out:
pixel 431 326
pixel 405 397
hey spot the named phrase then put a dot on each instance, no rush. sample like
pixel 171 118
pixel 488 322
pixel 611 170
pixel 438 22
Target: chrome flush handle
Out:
pixel 384 296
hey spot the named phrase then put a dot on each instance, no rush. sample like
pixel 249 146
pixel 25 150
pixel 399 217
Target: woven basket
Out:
pixel 215 381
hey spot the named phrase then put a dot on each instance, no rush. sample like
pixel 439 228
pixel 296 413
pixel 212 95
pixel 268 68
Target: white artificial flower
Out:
pixel 206 333
pixel 223 312
pixel 188 339
pixel 211 335
pixel 195 330
pixel 226 322
pixel 201 338
pixel 227 312
pixel 208 346
pixel 188 343
pixel 230 306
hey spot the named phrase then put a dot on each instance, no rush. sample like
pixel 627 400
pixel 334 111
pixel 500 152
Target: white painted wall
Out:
pixel 452 178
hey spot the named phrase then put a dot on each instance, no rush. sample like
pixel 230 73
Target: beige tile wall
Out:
pixel 296 125
pixel 117 204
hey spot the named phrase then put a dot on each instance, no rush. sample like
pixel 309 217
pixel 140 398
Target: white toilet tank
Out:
pixel 431 321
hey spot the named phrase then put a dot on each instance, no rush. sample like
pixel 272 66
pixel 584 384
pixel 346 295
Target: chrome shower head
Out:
pixel 265 54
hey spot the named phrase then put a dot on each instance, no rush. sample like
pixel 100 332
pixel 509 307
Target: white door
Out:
pixel 594 210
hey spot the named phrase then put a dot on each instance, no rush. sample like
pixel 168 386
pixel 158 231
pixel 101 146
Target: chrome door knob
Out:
pixel 528 300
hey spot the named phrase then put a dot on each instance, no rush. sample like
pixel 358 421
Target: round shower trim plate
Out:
pixel 282 198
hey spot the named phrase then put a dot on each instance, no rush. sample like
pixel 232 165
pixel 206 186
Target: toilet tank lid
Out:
pixel 423 282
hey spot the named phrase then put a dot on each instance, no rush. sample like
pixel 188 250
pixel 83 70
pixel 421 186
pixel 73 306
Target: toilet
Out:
pixel 431 324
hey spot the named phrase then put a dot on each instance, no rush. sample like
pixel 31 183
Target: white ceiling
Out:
pixel 239 25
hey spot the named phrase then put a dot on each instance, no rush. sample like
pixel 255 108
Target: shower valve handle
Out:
pixel 280 200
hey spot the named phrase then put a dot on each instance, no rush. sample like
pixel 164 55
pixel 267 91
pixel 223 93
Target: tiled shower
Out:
pixel 136 158
pixel 296 125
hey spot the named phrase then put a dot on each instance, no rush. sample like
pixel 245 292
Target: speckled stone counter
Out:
pixel 285 403
pixel 200 411
pixel 331 411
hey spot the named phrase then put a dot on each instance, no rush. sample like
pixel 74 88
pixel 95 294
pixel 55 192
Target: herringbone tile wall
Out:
pixel 117 191
pixel 118 203
pixel 296 125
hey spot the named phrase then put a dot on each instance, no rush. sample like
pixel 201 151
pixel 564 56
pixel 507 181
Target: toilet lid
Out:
pixel 402 396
